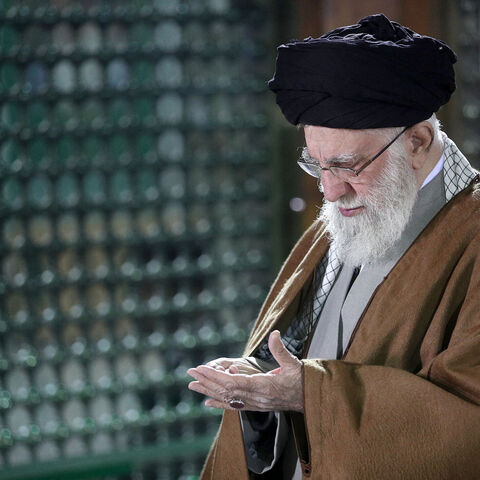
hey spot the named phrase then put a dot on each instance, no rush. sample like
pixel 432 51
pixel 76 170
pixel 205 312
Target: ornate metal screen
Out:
pixel 468 73
pixel 133 223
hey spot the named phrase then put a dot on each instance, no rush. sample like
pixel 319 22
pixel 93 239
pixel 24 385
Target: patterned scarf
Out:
pixel 457 174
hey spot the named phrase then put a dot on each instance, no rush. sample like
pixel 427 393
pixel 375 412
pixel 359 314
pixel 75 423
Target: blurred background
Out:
pixel 149 193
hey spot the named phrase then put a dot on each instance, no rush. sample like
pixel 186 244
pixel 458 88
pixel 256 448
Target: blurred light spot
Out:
pixel 297 204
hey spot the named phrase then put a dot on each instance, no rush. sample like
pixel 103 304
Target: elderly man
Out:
pixel 364 362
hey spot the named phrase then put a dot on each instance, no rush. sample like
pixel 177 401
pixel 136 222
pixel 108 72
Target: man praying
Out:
pixel 364 362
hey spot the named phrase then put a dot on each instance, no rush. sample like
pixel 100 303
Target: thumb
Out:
pixel 280 352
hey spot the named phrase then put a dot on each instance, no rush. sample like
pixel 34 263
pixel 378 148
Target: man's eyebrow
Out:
pixel 344 158
pixel 306 157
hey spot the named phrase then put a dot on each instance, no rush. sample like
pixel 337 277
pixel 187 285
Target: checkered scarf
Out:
pixel 457 174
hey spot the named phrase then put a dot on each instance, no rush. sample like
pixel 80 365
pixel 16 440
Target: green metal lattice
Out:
pixel 134 226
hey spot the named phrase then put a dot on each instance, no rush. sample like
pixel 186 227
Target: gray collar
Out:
pixel 430 200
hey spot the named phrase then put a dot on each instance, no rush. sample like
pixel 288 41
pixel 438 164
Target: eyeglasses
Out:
pixel 345 174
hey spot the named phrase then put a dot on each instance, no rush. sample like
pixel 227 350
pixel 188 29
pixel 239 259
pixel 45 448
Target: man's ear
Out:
pixel 419 140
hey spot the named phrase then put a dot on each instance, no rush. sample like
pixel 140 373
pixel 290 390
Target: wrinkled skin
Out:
pixel 225 379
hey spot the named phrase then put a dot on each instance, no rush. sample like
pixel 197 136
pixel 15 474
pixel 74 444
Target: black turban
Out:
pixel 374 74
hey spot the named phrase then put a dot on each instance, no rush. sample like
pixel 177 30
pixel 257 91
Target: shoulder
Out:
pixel 461 223
pixel 463 210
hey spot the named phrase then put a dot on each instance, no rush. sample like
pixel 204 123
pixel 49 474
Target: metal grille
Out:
pixel 469 78
pixel 133 221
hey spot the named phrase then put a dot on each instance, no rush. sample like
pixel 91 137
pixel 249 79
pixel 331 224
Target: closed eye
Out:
pixel 342 161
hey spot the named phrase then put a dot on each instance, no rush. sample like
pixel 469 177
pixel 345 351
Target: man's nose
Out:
pixel 334 188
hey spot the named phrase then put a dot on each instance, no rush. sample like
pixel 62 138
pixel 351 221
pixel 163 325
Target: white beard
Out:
pixel 368 236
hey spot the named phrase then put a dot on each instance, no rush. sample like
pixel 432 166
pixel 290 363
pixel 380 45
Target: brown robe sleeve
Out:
pixel 374 422
pixel 370 420
pixel 404 402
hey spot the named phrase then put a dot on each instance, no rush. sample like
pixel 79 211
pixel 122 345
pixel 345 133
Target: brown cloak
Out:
pixel 403 403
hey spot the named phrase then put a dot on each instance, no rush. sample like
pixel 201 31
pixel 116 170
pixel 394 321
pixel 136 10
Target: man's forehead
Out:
pixel 338 134
pixel 333 142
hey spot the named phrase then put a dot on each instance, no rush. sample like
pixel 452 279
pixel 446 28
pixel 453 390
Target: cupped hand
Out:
pixel 279 389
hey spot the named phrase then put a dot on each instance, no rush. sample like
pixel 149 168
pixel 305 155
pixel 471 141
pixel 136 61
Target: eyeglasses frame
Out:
pixel 305 166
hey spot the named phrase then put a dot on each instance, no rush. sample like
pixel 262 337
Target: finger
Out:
pixel 227 380
pixel 280 352
pixel 245 369
pixel 199 388
pixel 210 402
pixel 216 365
pixel 194 372
pixel 233 370
pixel 211 386
pixel 227 388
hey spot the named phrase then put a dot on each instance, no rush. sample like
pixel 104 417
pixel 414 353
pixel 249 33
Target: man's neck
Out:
pixel 434 172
